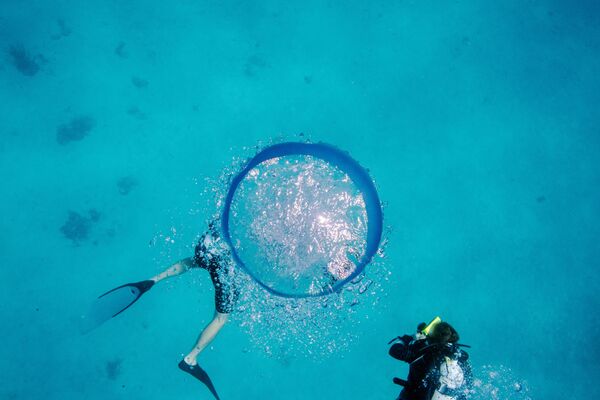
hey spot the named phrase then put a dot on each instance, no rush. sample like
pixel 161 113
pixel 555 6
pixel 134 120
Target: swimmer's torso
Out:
pixel 213 254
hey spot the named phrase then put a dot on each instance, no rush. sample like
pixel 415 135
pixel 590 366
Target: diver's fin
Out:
pixel 114 302
pixel 127 294
pixel 199 374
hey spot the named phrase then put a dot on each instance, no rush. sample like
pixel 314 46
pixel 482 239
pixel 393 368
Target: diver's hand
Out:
pixel 406 339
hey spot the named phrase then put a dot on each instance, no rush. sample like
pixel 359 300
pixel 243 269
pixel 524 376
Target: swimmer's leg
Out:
pixel 180 267
pixel 190 364
pixel 117 300
pixel 206 336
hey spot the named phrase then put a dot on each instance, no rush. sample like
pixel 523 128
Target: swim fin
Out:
pixel 199 374
pixel 114 302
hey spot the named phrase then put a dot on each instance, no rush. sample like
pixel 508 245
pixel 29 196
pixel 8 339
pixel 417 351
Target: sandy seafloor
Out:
pixel 477 119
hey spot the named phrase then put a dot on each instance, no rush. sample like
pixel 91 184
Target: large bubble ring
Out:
pixel 337 158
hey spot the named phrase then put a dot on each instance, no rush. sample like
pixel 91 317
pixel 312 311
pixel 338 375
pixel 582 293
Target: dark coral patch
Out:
pixel 120 50
pixel 135 112
pixel 253 65
pixel 74 130
pixel 113 368
pixel 63 29
pixel 139 82
pixel 24 62
pixel 94 215
pixel 77 227
pixel 126 184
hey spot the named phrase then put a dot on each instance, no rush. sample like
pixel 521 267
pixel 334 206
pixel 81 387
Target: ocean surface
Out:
pixel 478 121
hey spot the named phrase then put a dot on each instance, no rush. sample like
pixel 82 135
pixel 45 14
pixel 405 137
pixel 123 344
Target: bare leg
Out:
pixel 214 326
pixel 180 267
pixel 206 336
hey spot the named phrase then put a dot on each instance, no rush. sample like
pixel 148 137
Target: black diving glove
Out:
pixel 402 350
pixel 406 339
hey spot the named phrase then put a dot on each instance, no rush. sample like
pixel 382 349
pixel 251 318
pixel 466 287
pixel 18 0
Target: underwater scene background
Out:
pixel 121 120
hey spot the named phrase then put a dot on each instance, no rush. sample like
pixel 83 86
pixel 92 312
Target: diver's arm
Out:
pixel 407 350
pixel 400 350
pixel 180 267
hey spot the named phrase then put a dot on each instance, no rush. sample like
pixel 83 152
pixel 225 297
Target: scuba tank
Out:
pixel 452 379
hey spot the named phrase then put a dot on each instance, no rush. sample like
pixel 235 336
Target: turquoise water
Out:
pixel 478 121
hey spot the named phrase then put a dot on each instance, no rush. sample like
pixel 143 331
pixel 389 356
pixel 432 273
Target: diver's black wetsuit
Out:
pixel 424 360
pixel 212 255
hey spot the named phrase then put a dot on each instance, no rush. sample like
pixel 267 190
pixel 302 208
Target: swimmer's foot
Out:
pixel 199 374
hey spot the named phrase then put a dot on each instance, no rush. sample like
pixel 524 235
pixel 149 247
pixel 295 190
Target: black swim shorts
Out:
pixel 212 255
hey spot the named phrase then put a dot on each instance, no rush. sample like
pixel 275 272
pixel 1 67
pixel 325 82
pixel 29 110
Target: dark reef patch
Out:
pixel 74 130
pixel 136 113
pixel 23 61
pixel 253 65
pixel 12 396
pixel 139 82
pixel 63 30
pixel 94 215
pixel 126 184
pixel 113 368
pixel 120 50
pixel 77 227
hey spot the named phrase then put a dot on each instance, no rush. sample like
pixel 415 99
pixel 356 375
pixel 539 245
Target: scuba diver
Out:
pixel 212 254
pixel 438 366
